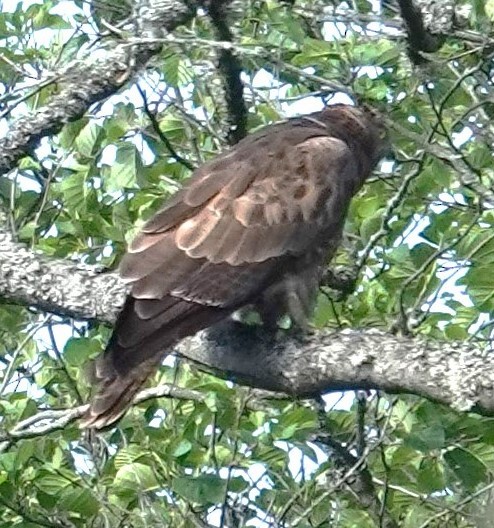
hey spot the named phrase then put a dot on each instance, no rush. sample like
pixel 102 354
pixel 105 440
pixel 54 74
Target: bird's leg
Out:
pixel 301 293
pixel 294 297
pixel 271 306
pixel 300 307
pixel 268 312
pixel 297 310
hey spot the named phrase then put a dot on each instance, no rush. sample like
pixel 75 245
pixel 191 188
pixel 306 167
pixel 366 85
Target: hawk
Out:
pixel 255 226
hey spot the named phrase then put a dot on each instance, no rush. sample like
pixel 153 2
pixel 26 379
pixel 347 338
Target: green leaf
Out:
pixel 211 401
pixel 124 171
pixel 43 19
pixel 127 455
pixel 134 478
pixel 427 438
pixel 480 283
pixel 176 70
pixel 416 516
pixel 73 189
pixel 183 447
pixel 88 139
pixel 466 466
pixel 77 351
pixel 314 51
pixel 27 231
pixel 456 332
pixel 71 131
pixel 431 476
pixel 294 421
pixel 52 483
pixel 79 501
pixel 477 246
pixel 489 9
pixel 368 206
pixel 205 489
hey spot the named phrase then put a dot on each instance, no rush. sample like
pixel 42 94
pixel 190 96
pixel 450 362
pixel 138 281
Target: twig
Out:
pixel 156 127
pixel 51 420
pixel 457 508
pixel 18 350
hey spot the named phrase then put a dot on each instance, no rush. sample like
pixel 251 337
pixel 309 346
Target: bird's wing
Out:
pixel 218 243
pixel 242 210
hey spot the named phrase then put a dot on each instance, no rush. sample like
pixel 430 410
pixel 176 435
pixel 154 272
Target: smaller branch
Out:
pixel 384 483
pixel 361 398
pixel 18 351
pixel 156 127
pixel 324 84
pixel 28 95
pixel 71 382
pixel 81 84
pixel 231 69
pixel 354 469
pixel 52 420
pixel 363 487
pixel 457 508
pixel 421 38
pixel 392 206
pixel 85 82
pixel 455 161
pixel 32 519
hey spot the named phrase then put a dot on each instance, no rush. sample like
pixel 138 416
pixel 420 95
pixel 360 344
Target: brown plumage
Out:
pixel 254 226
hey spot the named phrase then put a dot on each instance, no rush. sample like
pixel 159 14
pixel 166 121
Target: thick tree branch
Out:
pixel 427 22
pixel 85 82
pixel 231 68
pixel 459 375
pixel 456 374
pixel 54 285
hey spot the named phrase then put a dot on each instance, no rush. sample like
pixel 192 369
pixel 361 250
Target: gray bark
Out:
pixel 58 286
pixel 85 82
pixel 459 375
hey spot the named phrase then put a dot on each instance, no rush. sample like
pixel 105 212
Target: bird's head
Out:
pixel 362 125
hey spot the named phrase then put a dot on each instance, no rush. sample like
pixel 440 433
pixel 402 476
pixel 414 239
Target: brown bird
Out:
pixel 254 226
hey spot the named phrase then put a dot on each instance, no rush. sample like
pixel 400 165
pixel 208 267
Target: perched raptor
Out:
pixel 254 226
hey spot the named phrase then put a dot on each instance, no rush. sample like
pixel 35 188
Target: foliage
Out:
pixel 420 234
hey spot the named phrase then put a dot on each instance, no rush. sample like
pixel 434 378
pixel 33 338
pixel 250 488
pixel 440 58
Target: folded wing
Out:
pixel 230 233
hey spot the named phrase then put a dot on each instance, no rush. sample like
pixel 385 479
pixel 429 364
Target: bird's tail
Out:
pixel 115 392
pixel 144 332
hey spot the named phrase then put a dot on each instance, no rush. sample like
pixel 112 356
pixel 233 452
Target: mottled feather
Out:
pixel 254 226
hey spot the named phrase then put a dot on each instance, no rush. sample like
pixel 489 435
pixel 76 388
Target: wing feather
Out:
pixel 196 230
pixel 174 212
pixel 223 285
pixel 277 215
pixel 219 242
pixel 226 232
pixel 136 265
pixel 165 278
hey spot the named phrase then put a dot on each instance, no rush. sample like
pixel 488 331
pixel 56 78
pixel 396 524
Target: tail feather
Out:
pixel 115 395
pixel 128 362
